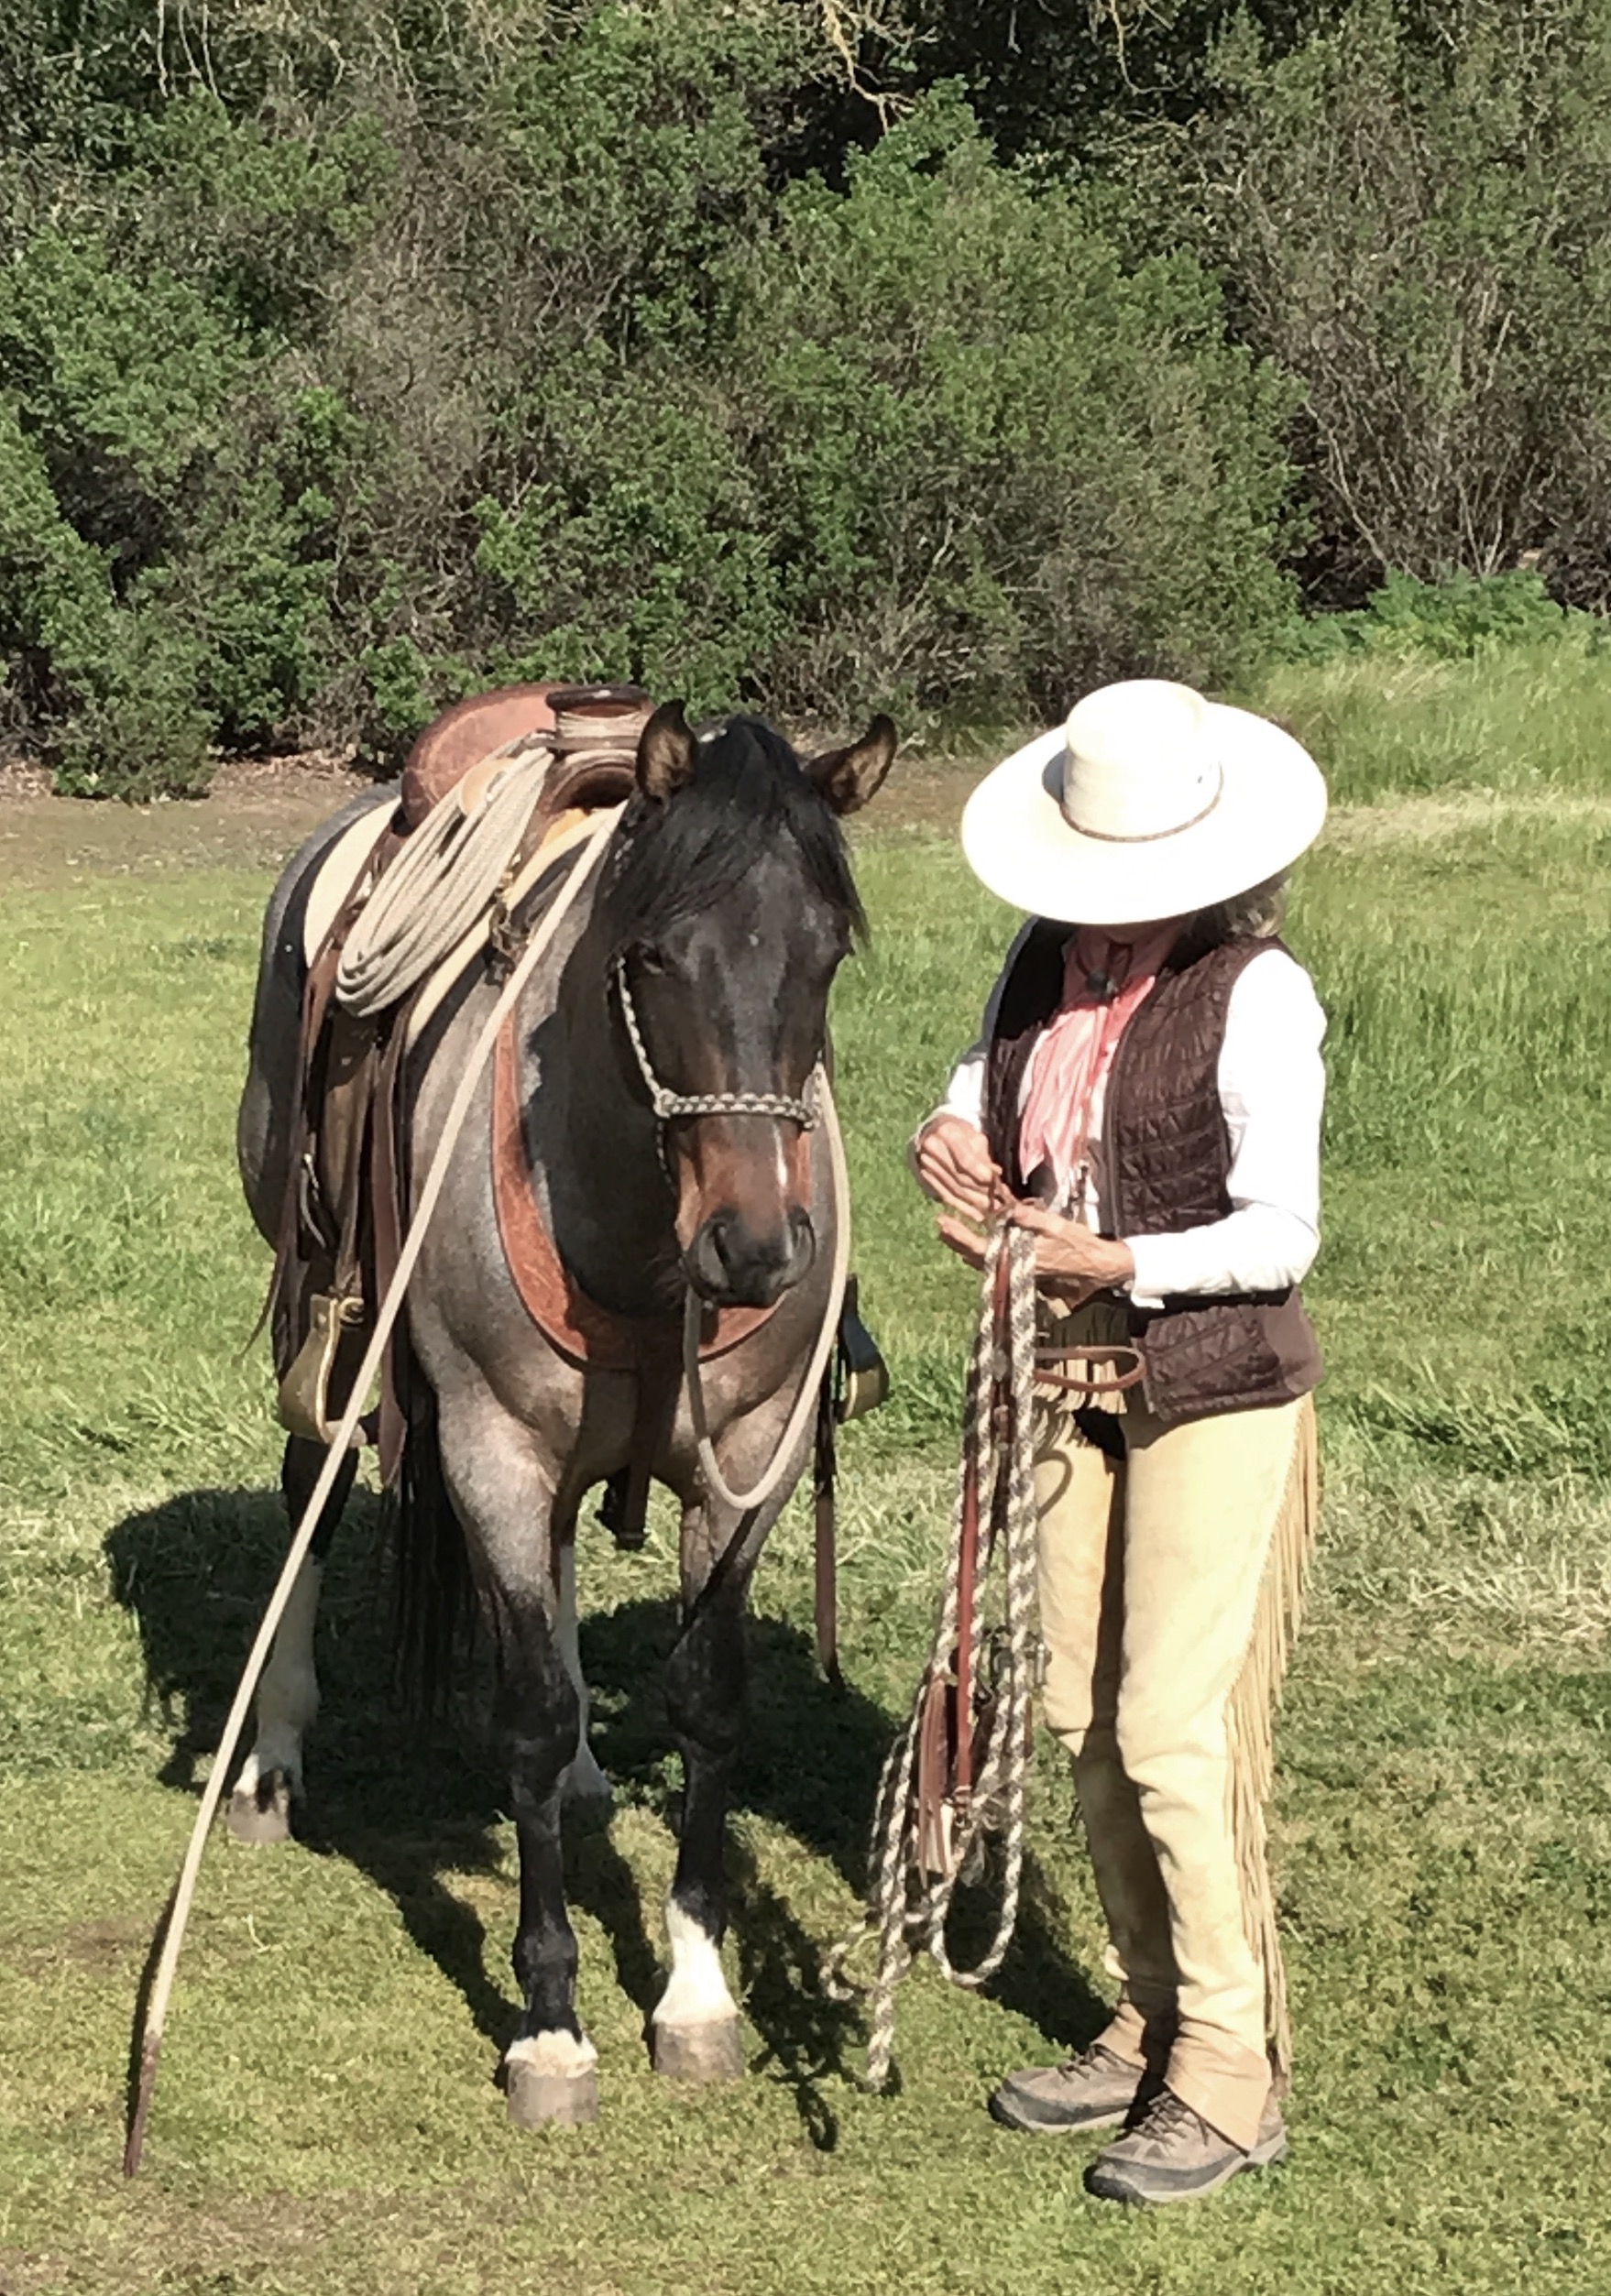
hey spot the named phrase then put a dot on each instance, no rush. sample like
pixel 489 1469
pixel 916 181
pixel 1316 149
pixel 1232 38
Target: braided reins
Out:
pixel 667 1104
pixel 908 1900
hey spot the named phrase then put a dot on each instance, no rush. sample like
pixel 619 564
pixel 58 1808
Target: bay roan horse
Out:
pixel 727 898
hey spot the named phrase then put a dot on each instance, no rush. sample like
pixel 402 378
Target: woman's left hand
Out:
pixel 1072 1259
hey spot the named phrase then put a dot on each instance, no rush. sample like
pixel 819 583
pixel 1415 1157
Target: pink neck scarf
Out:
pixel 1103 982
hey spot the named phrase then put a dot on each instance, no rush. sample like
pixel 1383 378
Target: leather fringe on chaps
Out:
pixel 1251 1722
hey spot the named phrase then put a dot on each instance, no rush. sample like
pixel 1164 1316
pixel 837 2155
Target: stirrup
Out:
pixel 863 1377
pixel 304 1392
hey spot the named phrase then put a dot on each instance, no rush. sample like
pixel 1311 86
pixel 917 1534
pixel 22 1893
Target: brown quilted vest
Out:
pixel 1167 1156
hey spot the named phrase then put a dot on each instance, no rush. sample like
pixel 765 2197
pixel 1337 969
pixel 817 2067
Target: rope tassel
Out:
pixel 927 1833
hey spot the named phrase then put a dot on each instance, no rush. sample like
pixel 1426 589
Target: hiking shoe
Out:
pixel 1095 2090
pixel 1172 2154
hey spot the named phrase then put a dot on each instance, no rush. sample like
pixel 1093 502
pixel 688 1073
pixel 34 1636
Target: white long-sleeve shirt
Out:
pixel 1272 1089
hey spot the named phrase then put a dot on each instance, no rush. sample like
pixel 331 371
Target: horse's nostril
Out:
pixel 735 1264
pixel 803 1237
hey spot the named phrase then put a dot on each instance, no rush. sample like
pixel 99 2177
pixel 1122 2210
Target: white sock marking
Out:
pixel 560 2055
pixel 696 1992
pixel 288 1695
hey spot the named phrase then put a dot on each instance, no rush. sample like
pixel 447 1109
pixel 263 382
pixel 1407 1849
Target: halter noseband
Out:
pixel 667 1104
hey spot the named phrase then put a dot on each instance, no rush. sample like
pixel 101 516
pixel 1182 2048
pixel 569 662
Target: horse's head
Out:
pixel 730 906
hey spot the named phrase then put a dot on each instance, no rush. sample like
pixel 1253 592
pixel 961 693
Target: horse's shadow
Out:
pixel 409 1804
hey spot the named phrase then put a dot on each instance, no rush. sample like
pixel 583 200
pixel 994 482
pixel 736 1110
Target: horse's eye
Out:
pixel 650 960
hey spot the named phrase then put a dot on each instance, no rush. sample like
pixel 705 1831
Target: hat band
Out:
pixel 1153 837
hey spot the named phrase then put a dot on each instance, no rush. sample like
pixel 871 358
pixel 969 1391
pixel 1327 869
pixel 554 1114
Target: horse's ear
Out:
pixel 847 778
pixel 667 752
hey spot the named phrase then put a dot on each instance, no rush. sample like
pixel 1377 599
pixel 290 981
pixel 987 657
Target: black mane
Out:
pixel 676 857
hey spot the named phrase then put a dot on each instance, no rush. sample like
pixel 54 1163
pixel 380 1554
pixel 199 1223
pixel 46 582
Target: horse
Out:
pixel 699 958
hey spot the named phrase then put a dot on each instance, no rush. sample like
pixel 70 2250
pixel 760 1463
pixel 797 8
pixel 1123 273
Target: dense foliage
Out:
pixel 353 355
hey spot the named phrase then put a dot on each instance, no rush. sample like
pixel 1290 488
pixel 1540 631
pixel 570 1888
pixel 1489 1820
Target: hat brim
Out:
pixel 1271 805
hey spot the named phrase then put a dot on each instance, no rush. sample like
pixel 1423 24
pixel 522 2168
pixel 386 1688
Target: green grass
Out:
pixel 326 2122
pixel 1530 718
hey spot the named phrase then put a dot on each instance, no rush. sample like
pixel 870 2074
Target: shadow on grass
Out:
pixel 408 1804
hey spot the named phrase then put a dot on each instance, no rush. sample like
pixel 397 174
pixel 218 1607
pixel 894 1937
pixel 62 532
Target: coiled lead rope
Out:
pixel 442 881
pixel 908 1907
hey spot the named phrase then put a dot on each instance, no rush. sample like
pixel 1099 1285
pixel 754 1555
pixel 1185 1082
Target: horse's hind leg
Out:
pixel 503 1499
pixel 586 1785
pixel 288 1696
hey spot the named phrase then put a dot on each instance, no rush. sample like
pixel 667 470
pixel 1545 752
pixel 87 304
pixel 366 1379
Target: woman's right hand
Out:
pixel 955 1165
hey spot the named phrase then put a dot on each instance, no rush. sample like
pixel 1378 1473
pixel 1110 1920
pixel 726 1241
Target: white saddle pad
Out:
pixel 338 872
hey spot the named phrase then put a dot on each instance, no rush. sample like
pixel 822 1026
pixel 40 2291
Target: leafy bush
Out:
pixel 995 464
pixel 510 349
pixel 1453 620
pixel 1412 210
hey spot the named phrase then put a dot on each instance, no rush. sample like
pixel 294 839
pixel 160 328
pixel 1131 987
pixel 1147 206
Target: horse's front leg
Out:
pixel 506 1503
pixel 695 2028
pixel 550 2066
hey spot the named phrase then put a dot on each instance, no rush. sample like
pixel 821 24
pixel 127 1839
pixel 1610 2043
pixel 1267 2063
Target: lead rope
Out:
pixel 907 1909
pixel 184 1890
pixel 806 1401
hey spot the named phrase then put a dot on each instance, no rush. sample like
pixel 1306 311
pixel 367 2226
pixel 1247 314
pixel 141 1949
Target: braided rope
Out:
pixel 906 1910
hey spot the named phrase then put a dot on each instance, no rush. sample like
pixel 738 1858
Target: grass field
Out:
pixel 327 2120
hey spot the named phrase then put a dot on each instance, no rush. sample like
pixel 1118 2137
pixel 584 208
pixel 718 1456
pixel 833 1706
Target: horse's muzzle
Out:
pixel 731 1264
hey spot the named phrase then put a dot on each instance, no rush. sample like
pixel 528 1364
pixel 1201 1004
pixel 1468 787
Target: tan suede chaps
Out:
pixel 1170 1585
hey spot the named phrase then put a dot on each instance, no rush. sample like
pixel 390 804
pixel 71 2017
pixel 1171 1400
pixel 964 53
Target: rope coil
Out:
pixel 442 882
pixel 908 1904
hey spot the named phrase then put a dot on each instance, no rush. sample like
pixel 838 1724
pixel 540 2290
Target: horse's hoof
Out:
pixel 712 2051
pixel 551 2083
pixel 261 1814
pixel 552 2100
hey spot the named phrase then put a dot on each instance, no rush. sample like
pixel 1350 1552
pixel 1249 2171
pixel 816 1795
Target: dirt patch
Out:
pixel 926 793
pixel 96 1946
pixel 259 811
pixel 254 814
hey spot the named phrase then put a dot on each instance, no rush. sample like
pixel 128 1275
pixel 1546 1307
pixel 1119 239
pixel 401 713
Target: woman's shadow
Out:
pixel 409 1803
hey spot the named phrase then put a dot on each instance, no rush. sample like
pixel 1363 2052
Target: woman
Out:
pixel 1145 1099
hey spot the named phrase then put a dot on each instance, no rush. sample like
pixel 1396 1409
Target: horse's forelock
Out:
pixel 749 798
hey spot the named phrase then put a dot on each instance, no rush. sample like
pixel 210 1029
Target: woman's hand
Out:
pixel 965 1241
pixel 955 1165
pixel 1071 1260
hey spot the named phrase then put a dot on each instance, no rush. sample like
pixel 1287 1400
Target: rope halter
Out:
pixel 667 1104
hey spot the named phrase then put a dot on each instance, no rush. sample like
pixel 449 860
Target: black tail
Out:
pixel 433 1591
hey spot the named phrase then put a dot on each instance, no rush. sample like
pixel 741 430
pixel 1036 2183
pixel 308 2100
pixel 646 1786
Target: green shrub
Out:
pixel 1452 621
pixel 994 465
pixel 1411 211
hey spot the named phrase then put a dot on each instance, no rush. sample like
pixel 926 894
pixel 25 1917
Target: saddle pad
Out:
pixel 338 872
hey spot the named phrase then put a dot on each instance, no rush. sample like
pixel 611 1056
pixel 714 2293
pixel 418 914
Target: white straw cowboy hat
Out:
pixel 1149 802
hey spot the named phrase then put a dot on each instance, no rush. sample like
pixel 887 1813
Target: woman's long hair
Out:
pixel 1257 914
